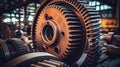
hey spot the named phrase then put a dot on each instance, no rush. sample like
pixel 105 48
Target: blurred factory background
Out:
pixel 17 11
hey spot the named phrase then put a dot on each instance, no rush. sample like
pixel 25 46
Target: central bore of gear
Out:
pixel 50 33
pixel 47 33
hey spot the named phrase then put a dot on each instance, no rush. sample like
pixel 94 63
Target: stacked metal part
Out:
pixel 36 59
pixel 10 49
pixel 50 63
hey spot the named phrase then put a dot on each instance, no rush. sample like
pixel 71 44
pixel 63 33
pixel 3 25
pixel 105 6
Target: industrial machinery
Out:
pixel 68 29
pixel 11 48
pixel 13 53
pixel 110 51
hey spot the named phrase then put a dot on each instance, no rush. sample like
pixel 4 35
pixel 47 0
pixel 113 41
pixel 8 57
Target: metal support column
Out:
pixel 19 17
pixel 10 18
pixel 118 10
pixel 25 15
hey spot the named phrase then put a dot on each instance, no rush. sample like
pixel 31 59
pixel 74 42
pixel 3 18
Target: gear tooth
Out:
pixel 72 19
pixel 75 37
pixel 75 31
pixel 57 7
pixel 71 1
pixel 94 16
pixel 76 40
pixel 97 21
pixel 89 21
pixel 78 35
pixel 72 48
pixel 74 25
pixel 60 57
pixel 82 9
pixel 91 10
pixel 87 6
pixel 89 31
pixel 96 28
pixel 86 17
pixel 84 14
pixel 75 44
pixel 50 6
pixel 92 21
pixel 79 6
pixel 63 56
pixel 75 22
pixel 93 25
pixel 71 52
pixel 74 2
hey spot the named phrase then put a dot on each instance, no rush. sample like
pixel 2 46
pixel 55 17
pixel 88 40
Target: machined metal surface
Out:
pixel 67 29
pixel 36 59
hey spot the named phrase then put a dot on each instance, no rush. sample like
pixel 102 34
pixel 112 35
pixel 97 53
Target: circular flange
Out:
pixel 49 33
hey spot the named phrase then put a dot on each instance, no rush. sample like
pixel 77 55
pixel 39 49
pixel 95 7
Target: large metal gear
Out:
pixel 68 29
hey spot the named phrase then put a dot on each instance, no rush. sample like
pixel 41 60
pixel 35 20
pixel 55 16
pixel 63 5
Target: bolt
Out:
pixel 57 49
pixel 47 17
pixel 62 33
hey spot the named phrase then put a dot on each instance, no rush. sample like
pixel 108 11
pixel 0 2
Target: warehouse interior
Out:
pixel 60 33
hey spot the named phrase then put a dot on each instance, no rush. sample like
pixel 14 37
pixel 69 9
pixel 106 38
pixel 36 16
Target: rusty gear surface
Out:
pixel 67 29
